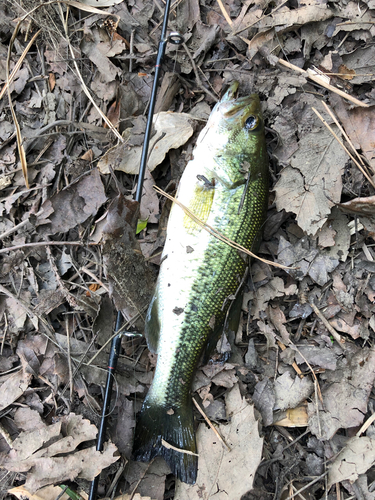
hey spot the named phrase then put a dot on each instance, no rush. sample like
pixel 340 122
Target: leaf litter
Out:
pixel 294 401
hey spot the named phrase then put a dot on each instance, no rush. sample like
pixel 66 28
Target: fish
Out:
pixel 226 186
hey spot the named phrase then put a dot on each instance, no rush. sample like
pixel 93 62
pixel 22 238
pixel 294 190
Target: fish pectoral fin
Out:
pixel 200 205
pixel 168 433
pixel 152 325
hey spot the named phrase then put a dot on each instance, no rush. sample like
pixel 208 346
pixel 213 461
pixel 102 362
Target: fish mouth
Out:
pixel 234 106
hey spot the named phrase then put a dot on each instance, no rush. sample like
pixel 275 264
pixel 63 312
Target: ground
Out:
pixel 293 403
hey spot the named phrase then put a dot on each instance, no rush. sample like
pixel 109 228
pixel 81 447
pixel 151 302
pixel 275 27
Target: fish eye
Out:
pixel 251 122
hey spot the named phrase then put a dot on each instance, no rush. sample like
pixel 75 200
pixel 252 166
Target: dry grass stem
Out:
pixel 329 111
pixel 171 447
pixel 366 425
pixel 225 13
pixel 216 233
pixel 18 64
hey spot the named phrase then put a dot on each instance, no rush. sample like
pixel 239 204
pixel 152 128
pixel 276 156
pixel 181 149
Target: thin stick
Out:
pixel 67 323
pixel 216 233
pixel 220 438
pixel 321 82
pixel 87 271
pixel 45 243
pixel 340 340
pixel 344 148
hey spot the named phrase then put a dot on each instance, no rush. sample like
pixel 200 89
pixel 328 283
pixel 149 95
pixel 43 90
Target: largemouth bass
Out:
pixel 226 186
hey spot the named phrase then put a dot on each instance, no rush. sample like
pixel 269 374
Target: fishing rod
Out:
pixel 174 38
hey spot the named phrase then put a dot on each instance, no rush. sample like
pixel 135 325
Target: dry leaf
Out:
pixel 291 392
pixel 345 395
pixel 307 187
pixel 221 471
pixel 355 459
pixel 172 131
pixel 14 387
pixel 44 467
pixel 73 205
pixel 360 206
pixel 46 493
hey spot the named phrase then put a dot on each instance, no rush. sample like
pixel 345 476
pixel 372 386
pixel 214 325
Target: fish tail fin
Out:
pixel 164 432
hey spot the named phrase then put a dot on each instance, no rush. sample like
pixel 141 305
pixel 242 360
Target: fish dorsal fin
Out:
pixel 152 325
pixel 200 204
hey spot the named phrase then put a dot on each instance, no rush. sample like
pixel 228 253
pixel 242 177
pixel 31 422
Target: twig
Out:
pixel 140 479
pixel 46 243
pixel 220 438
pixel 340 340
pixel 131 50
pixel 344 148
pixel 216 233
pixel 68 321
pixel 320 81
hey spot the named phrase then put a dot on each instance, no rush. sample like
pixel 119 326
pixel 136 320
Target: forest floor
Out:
pixel 294 402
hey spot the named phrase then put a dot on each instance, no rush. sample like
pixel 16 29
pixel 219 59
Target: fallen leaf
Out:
pixel 264 400
pixel 362 61
pixel 359 206
pixel 355 459
pixel 13 387
pixel 345 395
pixel 307 187
pixel 260 298
pixel 359 124
pixel 221 471
pixel 291 392
pixel 172 130
pixel 46 493
pixel 27 419
pixel 73 205
pixel 45 468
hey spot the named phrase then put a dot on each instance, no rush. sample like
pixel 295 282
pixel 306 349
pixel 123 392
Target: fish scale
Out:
pixel 199 272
